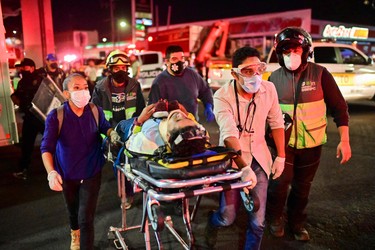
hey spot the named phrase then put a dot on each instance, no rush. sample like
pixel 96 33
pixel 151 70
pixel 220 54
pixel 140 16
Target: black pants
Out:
pixel 300 169
pixel 30 129
pixel 81 198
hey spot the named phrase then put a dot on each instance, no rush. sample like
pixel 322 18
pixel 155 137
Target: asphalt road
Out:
pixel 341 208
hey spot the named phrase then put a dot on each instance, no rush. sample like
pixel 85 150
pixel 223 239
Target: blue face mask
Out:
pixel 251 84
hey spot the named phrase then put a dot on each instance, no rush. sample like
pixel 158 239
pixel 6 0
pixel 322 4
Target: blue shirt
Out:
pixel 77 149
pixel 147 140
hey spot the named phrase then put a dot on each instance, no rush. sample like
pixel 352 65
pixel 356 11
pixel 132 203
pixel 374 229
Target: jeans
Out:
pixel 300 168
pixel 81 198
pixel 230 202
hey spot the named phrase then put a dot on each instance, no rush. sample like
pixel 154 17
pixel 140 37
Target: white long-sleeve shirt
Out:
pixel 267 111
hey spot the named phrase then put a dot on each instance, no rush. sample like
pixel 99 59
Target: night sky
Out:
pixel 95 14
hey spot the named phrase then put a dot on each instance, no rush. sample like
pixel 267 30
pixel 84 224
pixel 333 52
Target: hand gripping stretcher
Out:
pixel 171 179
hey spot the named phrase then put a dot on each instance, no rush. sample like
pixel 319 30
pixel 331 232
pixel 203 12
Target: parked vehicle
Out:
pixel 353 71
pixel 151 65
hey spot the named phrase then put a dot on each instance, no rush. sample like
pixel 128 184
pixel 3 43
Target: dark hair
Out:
pixel 188 141
pixel 241 54
pixel 172 49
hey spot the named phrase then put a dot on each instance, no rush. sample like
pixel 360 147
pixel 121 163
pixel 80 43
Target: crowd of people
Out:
pixel 243 108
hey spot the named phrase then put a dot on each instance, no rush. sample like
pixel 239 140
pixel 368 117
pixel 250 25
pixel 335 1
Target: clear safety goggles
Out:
pixel 118 60
pixel 250 69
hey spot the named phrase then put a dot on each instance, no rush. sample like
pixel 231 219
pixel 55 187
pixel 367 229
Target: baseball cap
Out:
pixel 51 57
pixel 27 62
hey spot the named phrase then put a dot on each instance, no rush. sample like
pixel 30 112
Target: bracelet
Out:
pixel 49 174
pixel 136 123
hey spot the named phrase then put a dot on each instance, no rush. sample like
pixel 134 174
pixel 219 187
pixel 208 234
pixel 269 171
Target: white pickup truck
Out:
pixel 353 71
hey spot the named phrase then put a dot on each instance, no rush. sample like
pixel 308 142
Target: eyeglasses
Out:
pixel 251 69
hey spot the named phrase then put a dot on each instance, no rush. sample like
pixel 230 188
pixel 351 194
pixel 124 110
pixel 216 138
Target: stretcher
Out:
pixel 171 179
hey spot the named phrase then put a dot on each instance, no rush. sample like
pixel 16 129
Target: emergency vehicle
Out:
pixel 151 65
pixel 8 123
pixel 206 47
pixel 353 71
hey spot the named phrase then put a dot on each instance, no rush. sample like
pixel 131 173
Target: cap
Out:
pixel 17 64
pixel 51 57
pixel 27 62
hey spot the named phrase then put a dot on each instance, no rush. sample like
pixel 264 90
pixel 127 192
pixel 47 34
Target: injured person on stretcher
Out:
pixel 163 128
pixel 167 129
pixel 169 157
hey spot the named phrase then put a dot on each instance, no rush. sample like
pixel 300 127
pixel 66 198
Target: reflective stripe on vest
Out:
pixel 311 124
pixel 128 113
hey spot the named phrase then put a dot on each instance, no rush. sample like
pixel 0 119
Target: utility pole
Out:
pixel 133 20
pixel 112 23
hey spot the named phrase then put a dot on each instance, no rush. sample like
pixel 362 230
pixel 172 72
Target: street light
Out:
pixel 121 26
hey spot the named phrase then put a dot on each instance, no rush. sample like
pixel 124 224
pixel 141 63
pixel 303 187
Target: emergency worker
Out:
pixel 183 84
pixel 243 107
pixel 306 91
pixel 31 126
pixel 120 97
pixel 52 69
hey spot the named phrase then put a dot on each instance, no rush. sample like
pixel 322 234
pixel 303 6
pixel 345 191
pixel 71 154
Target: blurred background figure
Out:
pixel 135 66
pixel 90 73
pixel 31 126
pixel 52 69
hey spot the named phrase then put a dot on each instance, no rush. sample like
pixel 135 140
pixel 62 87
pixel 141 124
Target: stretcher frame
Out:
pixel 152 215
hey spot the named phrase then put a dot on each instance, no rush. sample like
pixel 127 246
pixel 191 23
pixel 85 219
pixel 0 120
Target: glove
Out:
pixel 277 167
pixel 248 175
pixel 54 181
pixel 115 138
pixel 209 113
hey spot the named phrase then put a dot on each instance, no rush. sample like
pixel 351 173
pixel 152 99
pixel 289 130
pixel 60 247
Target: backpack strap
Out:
pixel 95 112
pixel 60 114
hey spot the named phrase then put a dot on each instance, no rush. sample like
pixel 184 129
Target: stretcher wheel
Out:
pixel 156 218
pixel 250 201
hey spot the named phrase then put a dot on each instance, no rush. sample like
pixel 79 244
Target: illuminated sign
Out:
pixel 144 21
pixel 343 32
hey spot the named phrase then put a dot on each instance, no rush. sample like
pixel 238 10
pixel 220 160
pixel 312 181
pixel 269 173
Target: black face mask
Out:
pixel 120 76
pixel 53 65
pixel 25 74
pixel 177 68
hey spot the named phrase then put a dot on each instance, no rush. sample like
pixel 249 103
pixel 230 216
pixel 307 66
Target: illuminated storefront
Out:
pixel 363 37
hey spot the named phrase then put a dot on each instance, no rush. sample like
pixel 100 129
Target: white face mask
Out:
pixel 80 98
pixel 251 84
pixel 292 61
